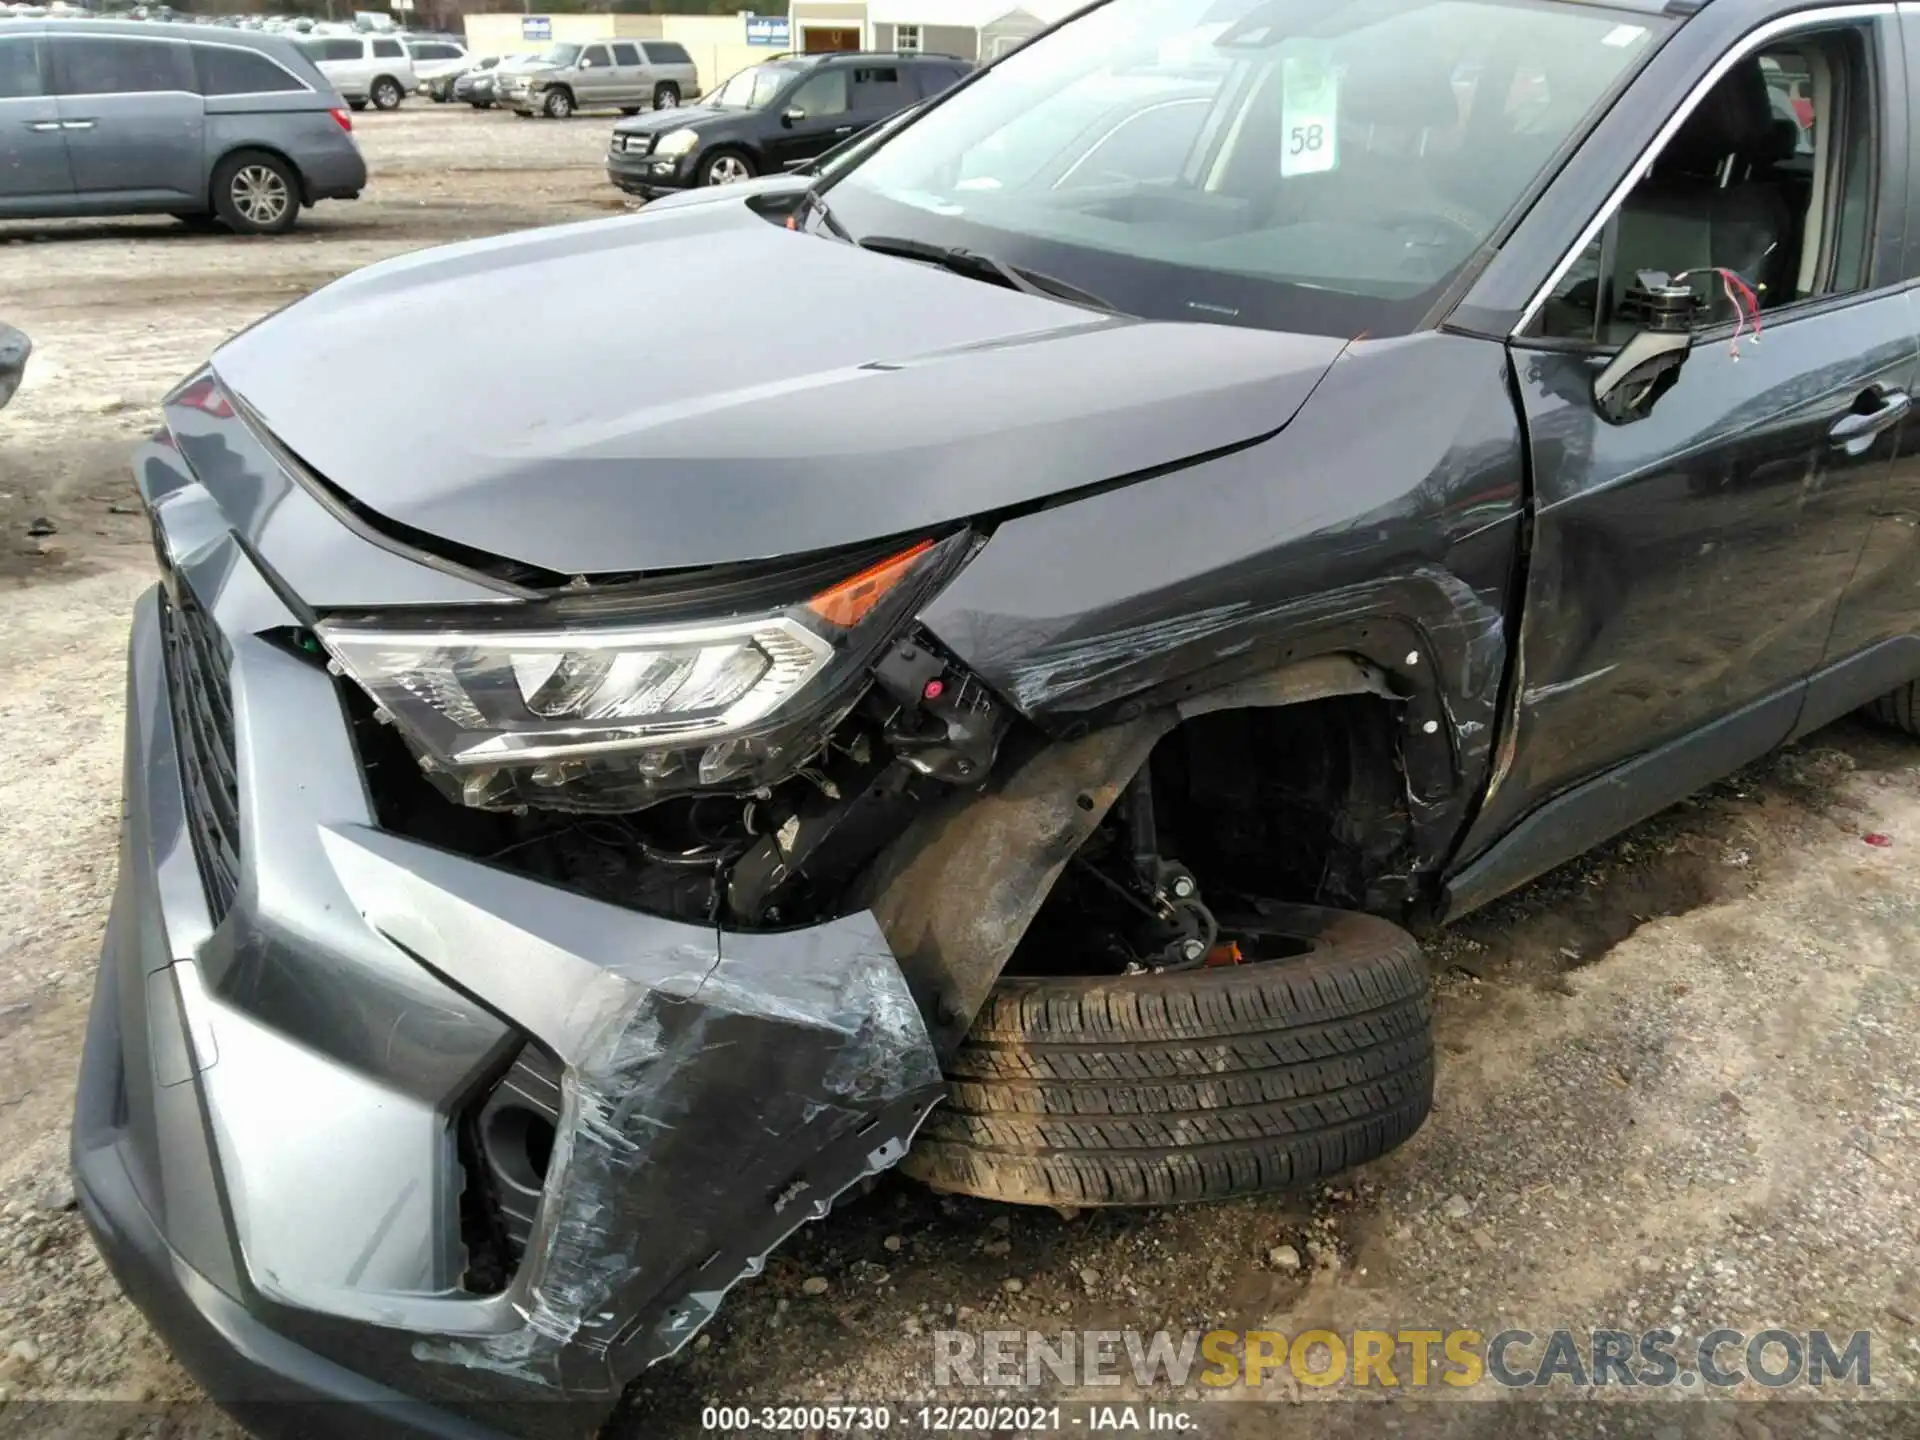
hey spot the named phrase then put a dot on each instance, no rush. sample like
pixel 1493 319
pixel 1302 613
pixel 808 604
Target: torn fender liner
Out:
pixel 720 1090
pixel 958 891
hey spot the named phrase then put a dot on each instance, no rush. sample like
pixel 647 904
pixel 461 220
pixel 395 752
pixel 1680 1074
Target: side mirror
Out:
pixel 1648 364
pixel 793 117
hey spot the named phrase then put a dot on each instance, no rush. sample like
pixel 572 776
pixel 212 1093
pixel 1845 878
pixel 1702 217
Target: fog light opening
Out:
pixel 519 1143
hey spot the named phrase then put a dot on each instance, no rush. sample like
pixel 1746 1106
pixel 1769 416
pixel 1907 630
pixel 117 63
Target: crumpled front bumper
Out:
pixel 296 1008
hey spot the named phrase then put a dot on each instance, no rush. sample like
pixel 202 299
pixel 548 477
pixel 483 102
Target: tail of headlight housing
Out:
pixel 590 712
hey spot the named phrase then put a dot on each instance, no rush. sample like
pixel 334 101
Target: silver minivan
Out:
pixel 624 75
pixel 100 117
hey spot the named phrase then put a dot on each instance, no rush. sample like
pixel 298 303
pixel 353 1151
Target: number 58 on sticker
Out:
pixel 1309 114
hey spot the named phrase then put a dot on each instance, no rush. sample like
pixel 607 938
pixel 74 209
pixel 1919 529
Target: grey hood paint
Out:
pixel 703 386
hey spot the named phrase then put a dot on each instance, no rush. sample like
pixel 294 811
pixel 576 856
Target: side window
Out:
pixel 594 57
pixel 624 54
pixel 878 89
pixel 667 52
pixel 226 71
pixel 822 95
pixel 99 66
pixel 19 68
pixel 389 50
pixel 1761 198
pixel 932 79
pixel 345 50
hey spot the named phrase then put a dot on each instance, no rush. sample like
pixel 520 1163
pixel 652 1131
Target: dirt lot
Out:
pixel 1679 1080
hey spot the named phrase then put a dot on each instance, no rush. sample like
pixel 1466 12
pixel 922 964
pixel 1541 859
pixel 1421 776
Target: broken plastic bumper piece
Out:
pixel 299 1014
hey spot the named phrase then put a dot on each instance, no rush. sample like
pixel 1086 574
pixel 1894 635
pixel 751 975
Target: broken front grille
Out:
pixel 198 661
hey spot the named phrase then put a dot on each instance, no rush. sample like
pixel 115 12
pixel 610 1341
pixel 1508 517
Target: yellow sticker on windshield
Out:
pixel 1309 110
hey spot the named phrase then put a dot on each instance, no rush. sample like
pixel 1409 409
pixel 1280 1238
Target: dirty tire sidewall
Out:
pixel 386 94
pixel 1901 709
pixel 1192 1085
pixel 666 97
pixel 558 105
pixel 245 186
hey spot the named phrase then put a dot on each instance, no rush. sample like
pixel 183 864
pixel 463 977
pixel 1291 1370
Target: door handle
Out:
pixel 843 129
pixel 76 124
pixel 1877 408
pixel 43 125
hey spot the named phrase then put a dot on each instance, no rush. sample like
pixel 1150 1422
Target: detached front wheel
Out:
pixel 1311 1055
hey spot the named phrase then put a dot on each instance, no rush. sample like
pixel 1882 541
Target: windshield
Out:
pixel 852 150
pixel 559 56
pixel 1281 163
pixel 752 88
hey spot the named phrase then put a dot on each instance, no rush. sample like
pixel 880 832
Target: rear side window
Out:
pixel 100 66
pixel 19 70
pixel 626 55
pixel 665 52
pixel 389 50
pixel 932 79
pixel 430 50
pixel 878 88
pixel 333 49
pixel 225 71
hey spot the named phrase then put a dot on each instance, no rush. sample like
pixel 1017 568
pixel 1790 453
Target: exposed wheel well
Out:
pixel 1302 803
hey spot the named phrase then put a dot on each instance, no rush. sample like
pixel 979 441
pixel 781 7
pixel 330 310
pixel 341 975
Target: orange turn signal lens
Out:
pixel 847 603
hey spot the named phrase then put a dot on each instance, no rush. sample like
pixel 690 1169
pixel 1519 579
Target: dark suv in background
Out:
pixel 772 117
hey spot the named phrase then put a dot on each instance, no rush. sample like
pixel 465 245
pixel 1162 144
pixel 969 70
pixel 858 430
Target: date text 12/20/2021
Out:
pixel 945 1419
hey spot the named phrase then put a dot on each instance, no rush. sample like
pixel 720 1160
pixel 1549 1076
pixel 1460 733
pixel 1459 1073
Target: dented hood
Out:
pixel 701 386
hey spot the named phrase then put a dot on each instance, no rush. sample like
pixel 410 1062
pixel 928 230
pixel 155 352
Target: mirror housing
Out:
pixel 1641 372
pixel 793 117
pixel 1646 366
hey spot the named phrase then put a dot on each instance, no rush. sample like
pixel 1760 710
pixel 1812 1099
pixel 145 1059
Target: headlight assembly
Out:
pixel 619 713
pixel 677 142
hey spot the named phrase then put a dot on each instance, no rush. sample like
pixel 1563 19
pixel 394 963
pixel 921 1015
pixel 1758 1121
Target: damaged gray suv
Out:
pixel 1231 485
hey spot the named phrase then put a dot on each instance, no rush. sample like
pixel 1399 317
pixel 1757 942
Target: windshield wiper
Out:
pixel 814 203
pixel 978 266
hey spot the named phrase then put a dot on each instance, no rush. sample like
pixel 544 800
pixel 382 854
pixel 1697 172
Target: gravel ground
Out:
pixel 1678 1083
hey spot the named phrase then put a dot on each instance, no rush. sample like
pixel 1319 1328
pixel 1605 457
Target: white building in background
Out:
pixel 980 30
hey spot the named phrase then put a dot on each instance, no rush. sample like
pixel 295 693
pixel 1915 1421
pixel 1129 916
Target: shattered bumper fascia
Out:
pixel 719 1090
pixel 716 1097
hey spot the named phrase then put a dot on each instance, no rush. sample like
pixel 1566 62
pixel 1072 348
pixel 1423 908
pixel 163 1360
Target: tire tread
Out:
pixel 1189 1086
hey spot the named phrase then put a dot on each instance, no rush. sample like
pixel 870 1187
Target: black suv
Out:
pixel 772 117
